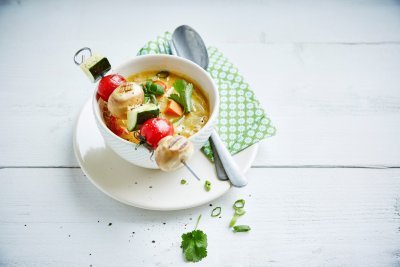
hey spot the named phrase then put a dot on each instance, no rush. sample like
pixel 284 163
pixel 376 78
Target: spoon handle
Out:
pixel 235 175
pixel 221 174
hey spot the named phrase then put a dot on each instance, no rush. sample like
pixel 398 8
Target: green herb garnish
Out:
pixel 183 181
pixel 146 87
pixel 241 228
pixel 151 90
pixel 239 211
pixel 233 220
pixel 194 244
pixel 239 204
pixel 207 185
pixel 153 99
pixel 184 96
pixel 216 212
pixel 156 89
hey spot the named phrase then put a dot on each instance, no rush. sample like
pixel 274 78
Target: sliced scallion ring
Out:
pixel 233 221
pixel 153 99
pixel 241 228
pixel 207 185
pixel 216 212
pixel 239 212
pixel 239 204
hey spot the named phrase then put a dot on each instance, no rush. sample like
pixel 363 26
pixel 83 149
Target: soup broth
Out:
pixel 186 125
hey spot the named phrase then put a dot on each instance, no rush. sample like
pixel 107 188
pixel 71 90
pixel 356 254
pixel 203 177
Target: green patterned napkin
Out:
pixel 242 121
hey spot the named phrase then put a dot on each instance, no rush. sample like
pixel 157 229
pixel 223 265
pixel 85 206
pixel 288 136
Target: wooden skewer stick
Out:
pixel 190 169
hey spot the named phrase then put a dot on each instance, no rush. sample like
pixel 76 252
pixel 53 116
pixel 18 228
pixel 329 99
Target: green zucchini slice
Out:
pixel 140 114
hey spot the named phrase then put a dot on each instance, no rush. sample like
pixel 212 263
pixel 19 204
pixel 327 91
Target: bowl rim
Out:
pixel 215 109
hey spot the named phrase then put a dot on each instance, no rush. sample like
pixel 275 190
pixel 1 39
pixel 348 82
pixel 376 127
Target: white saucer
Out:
pixel 146 188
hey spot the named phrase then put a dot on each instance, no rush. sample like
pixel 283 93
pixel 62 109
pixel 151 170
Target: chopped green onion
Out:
pixel 163 74
pixel 233 220
pixel 241 228
pixel 207 185
pixel 156 89
pixel 183 181
pixel 146 99
pixel 197 223
pixel 146 87
pixel 239 204
pixel 154 99
pixel 216 212
pixel 240 212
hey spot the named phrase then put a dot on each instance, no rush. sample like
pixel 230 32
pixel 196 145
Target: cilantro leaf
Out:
pixel 184 96
pixel 194 245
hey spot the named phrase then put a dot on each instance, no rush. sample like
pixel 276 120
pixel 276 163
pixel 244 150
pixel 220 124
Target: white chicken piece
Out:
pixel 172 151
pixel 125 95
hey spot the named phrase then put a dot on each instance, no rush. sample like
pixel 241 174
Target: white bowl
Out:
pixel 141 156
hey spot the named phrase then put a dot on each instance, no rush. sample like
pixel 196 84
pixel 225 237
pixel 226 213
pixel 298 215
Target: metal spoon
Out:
pixel 187 43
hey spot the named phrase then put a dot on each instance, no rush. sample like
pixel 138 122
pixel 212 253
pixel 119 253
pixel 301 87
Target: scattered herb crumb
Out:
pixel 69 235
pixel 133 232
pixel 109 224
pixel 164 223
pixel 241 228
pixel 183 181
pixel 239 211
pixel 153 241
pixel 194 244
pixel 210 205
pixel 98 221
pixel 150 186
pixel 207 185
pixel 216 212
pixel 239 204
pixel 25 225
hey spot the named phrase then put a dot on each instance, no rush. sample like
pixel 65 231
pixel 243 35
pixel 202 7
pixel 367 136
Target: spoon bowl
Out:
pixel 188 44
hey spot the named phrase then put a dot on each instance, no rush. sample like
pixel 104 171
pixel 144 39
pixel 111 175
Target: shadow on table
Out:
pixel 90 200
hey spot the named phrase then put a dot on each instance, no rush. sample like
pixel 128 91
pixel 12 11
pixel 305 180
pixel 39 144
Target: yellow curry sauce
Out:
pixel 187 125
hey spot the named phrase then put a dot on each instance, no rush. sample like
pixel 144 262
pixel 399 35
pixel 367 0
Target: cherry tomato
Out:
pixel 108 84
pixel 153 130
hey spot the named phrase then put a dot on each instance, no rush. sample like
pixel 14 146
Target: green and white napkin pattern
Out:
pixel 242 121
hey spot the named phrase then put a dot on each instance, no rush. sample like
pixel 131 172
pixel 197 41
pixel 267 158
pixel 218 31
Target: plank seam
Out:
pixel 253 167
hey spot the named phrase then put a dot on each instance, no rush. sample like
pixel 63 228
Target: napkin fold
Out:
pixel 242 121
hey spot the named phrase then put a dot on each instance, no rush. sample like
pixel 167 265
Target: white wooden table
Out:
pixel 325 191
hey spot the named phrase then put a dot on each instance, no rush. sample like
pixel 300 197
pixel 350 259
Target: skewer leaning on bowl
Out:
pixel 172 151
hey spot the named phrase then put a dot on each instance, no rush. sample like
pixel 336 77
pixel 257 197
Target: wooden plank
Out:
pixel 318 217
pixel 331 104
pixel 326 73
pixel 219 21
